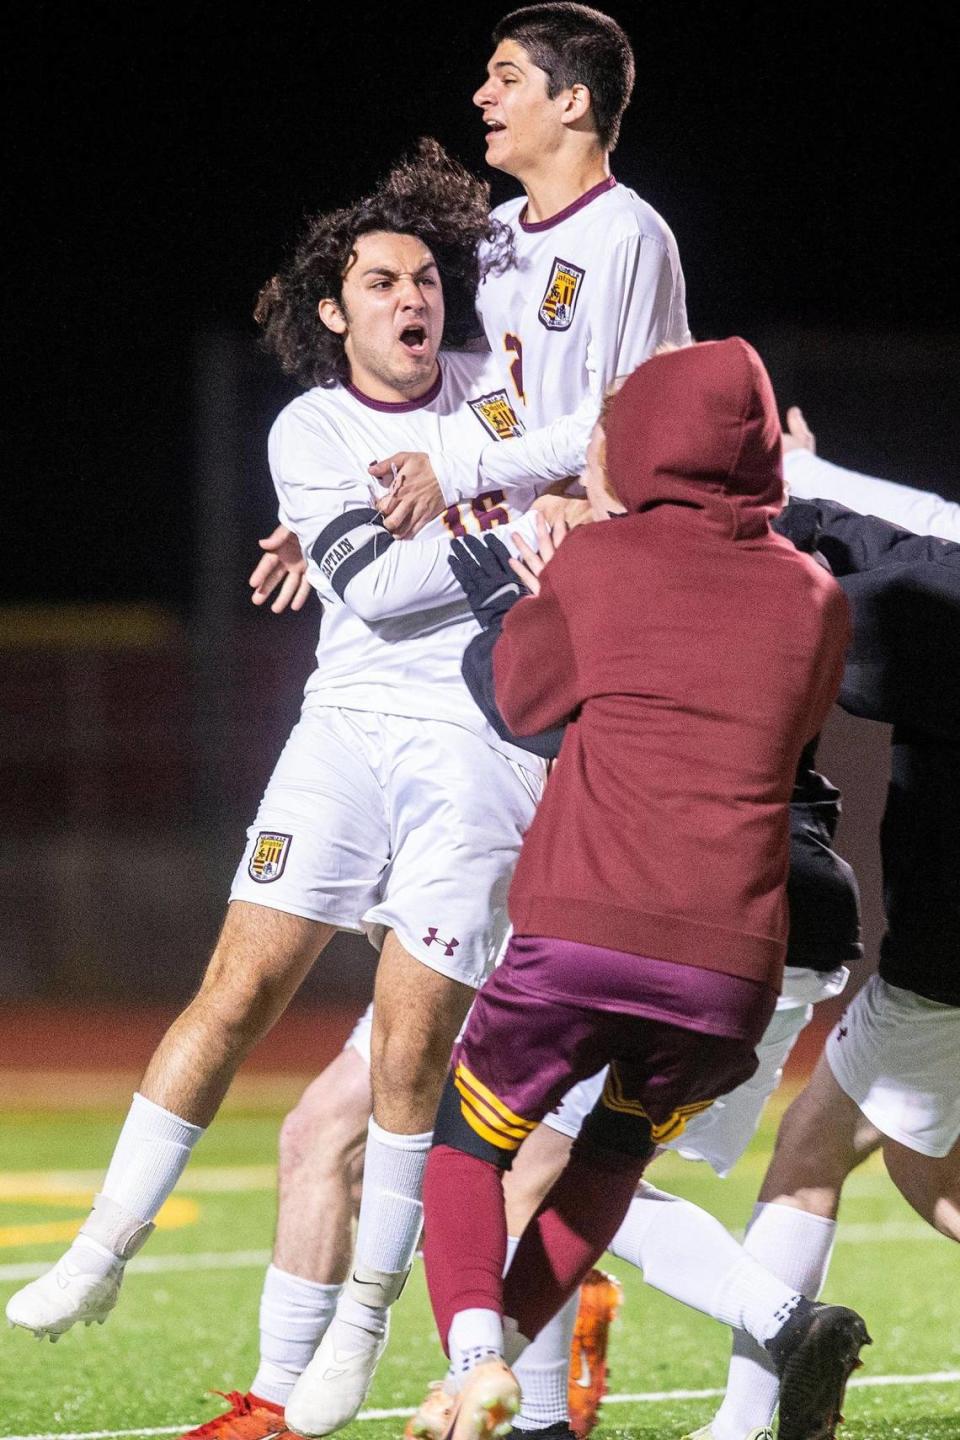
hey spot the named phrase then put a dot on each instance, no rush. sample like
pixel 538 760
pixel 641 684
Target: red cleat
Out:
pixel 249 1418
pixel 600 1298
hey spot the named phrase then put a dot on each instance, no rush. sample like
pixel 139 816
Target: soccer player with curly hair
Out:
pixel 394 809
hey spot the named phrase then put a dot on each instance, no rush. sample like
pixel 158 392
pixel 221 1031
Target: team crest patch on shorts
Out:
pixel 497 415
pixel 269 856
pixel 560 297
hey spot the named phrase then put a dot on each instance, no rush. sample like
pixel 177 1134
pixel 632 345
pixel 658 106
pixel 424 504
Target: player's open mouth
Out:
pixel 414 339
pixel 493 126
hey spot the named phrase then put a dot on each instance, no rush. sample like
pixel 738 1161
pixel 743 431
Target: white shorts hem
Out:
pixel 302 912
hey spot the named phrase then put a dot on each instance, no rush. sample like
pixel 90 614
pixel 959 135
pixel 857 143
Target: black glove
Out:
pixel 483 570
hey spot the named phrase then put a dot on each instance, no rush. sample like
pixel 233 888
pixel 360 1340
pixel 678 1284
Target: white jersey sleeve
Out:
pixel 809 477
pixel 351 558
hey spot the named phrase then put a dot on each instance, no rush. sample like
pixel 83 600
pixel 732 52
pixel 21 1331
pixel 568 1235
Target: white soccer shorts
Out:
pixel 380 822
pixel 895 1054
pixel 721 1134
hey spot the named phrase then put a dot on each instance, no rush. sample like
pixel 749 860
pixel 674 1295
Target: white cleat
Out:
pixel 62 1297
pixel 335 1384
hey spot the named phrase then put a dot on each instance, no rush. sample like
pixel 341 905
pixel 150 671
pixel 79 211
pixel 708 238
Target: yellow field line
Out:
pixel 174 1215
pixel 78 1186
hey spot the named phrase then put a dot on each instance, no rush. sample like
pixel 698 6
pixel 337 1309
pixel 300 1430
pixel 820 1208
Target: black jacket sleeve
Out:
pixel 903 666
pixel 478 675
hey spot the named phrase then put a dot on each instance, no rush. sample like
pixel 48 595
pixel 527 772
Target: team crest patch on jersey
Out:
pixel 560 297
pixel 497 415
pixel 269 856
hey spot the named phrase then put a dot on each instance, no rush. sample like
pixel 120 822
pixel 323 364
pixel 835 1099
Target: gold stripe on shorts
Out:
pixel 614 1099
pixel 487 1115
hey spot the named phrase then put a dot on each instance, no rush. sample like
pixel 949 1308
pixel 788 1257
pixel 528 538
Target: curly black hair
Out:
pixel 427 194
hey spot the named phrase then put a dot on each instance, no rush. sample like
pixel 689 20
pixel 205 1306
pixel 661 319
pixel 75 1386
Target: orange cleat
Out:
pixel 249 1418
pixel 600 1298
pixel 431 1419
pixel 484 1407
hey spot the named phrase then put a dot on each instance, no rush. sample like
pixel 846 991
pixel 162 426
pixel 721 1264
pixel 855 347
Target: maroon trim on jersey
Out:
pixel 399 407
pixel 531 227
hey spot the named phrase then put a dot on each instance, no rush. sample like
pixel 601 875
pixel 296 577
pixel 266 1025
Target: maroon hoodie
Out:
pixel 696 652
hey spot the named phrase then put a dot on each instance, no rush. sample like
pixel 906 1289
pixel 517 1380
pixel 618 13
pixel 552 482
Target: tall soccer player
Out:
pixel 596 285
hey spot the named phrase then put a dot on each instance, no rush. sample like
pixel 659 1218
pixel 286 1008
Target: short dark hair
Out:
pixel 428 195
pixel 576 45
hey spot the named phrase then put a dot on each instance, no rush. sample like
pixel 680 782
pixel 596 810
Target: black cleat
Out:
pixel 815 1353
pixel 559 1430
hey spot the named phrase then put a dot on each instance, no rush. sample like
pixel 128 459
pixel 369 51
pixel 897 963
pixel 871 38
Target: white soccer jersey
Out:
pixel 396 621
pixel 593 291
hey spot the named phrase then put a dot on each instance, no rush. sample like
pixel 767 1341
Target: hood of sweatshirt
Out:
pixel 699 427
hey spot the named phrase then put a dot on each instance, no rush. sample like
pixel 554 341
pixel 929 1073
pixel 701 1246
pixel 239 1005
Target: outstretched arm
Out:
pixel 809 477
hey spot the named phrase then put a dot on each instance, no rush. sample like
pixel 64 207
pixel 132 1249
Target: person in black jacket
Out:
pixel 888 1076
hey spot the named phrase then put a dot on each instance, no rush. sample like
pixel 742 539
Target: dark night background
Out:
pixel 163 156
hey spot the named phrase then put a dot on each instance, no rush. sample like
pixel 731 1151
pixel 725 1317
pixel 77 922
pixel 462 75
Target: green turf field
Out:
pixel 187 1321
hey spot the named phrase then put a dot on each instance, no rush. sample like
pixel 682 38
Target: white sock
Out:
pixel 149 1158
pixel 686 1252
pixel 475 1337
pixel 795 1246
pixel 541 1365
pixel 294 1313
pixel 543 1370
pixel 391 1209
pixel 391 1216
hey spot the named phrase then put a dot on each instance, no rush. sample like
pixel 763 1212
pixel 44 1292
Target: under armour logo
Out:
pixel 448 945
pixel 841 1031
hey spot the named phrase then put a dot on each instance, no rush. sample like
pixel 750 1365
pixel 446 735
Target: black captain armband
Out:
pixel 348 545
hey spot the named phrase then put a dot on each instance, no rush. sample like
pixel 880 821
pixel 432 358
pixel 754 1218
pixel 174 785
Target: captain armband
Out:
pixel 348 545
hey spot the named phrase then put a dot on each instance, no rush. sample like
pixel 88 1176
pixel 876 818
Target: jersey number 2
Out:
pixel 513 346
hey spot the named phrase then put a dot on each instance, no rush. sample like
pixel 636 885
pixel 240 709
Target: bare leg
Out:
pixel 932 1186
pixel 259 962
pixel 822 1137
pixel 539 1161
pixel 321 1158
pixel 417 1013
pixel 321 1155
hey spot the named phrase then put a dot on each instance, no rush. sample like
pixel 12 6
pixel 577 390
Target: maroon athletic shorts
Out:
pixel 555 1012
